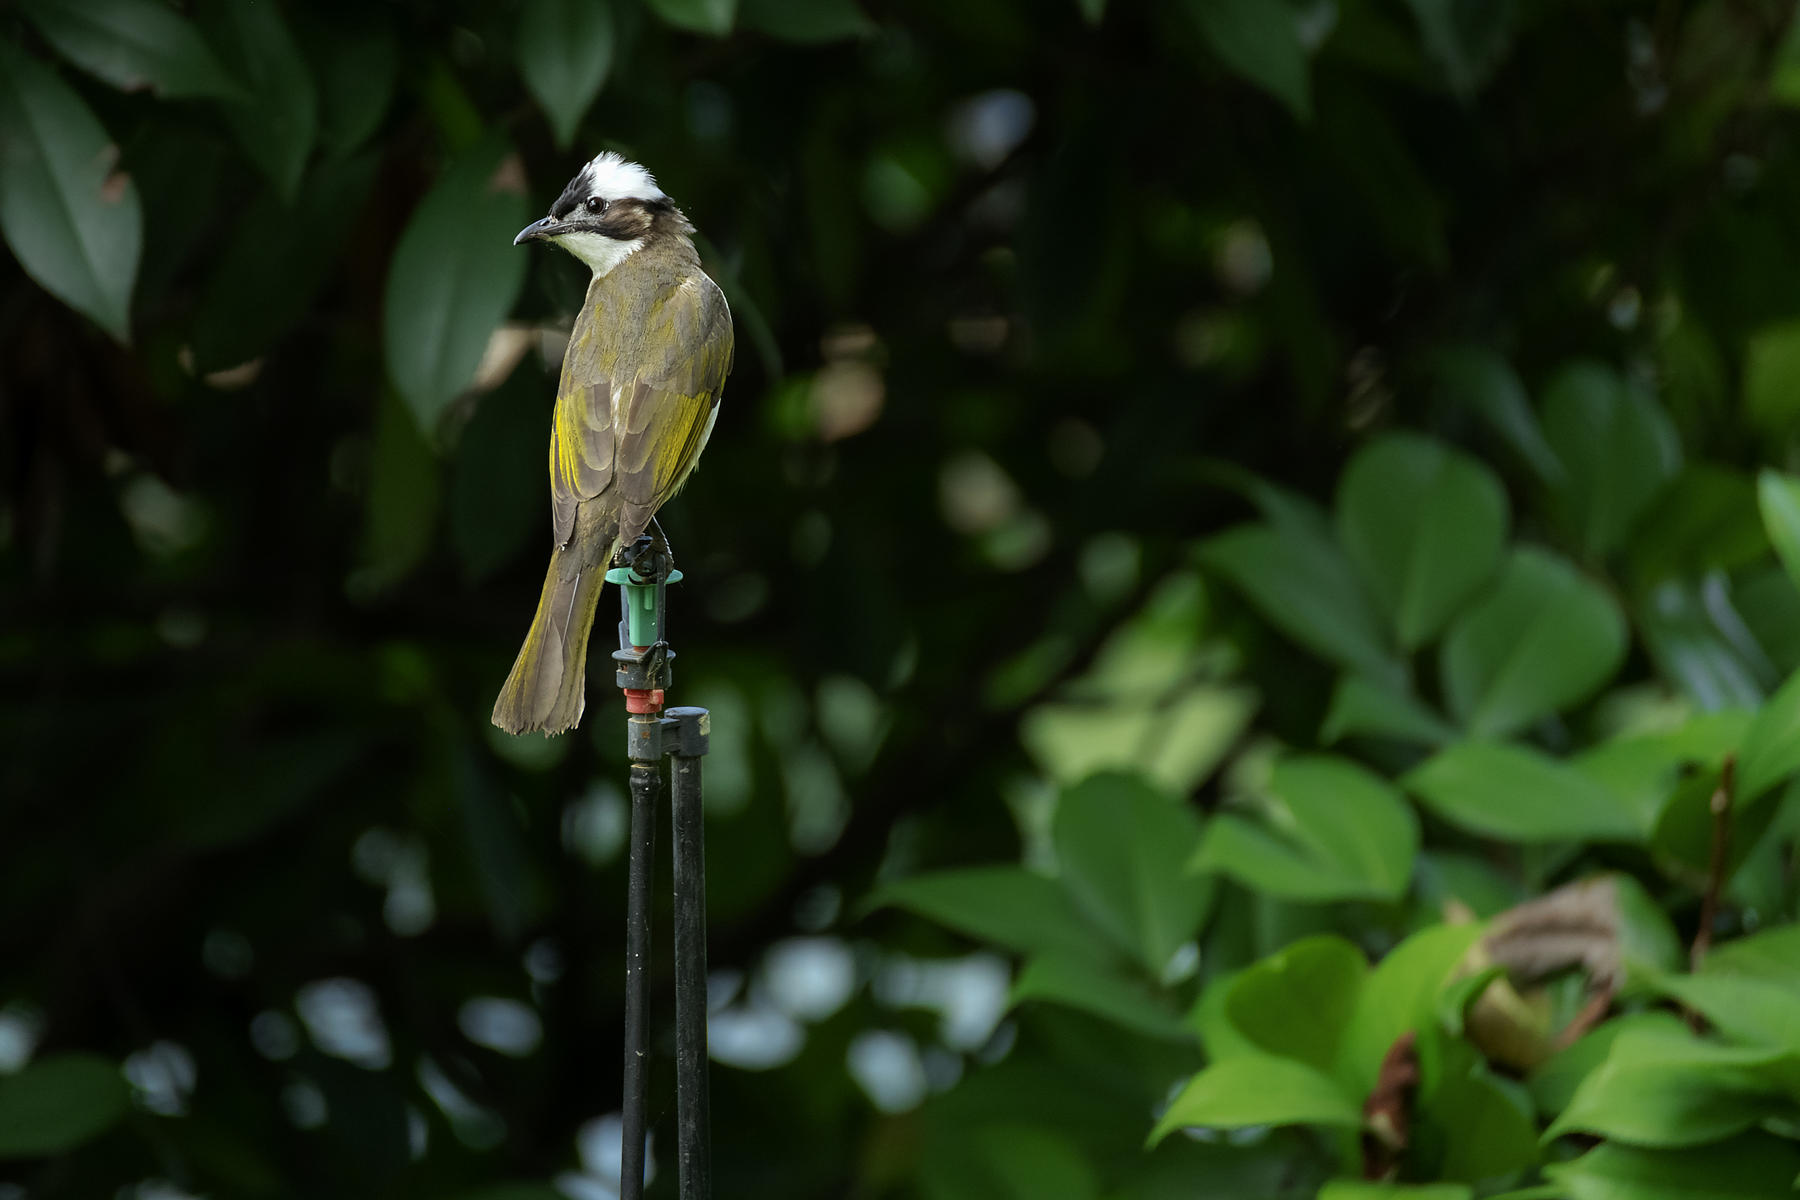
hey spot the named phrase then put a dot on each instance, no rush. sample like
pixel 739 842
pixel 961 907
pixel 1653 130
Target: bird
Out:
pixel 640 388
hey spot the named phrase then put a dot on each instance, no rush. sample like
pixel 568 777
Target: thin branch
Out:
pixel 1715 866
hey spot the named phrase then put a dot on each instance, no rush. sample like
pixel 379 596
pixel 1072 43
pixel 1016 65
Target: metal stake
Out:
pixel 644 670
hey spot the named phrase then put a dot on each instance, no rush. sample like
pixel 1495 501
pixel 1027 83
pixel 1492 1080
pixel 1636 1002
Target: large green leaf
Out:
pixel 1303 585
pixel 58 1103
pixel 69 216
pixel 1259 1090
pixel 1400 995
pixel 1701 646
pixel 1705 520
pixel 454 277
pixel 1329 830
pixel 1424 525
pixel 1015 908
pixel 1520 794
pixel 356 60
pixel 712 17
pixel 565 52
pixel 1657 1088
pixel 1772 744
pixel 1362 708
pixel 1778 495
pixel 1553 1083
pixel 1124 849
pixel 1082 984
pixel 277 122
pixel 1297 1003
pixel 1757 1011
pixel 1752 1167
pixel 1617 447
pixel 1543 638
pixel 1259 42
pixel 133 45
pixel 1773 955
pixel 1472 376
pixel 1485 1122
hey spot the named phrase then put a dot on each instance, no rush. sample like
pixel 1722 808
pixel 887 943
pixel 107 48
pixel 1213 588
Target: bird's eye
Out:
pixel 596 205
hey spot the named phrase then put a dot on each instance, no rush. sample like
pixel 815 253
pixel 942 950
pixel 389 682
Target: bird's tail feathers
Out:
pixel 547 688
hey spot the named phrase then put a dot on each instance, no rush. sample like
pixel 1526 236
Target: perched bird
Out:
pixel 640 390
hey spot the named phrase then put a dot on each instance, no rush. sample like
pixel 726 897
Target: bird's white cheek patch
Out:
pixel 598 251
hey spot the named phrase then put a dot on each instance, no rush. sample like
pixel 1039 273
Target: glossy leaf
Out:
pixel 1081 984
pixel 1329 830
pixel 1124 848
pixel 58 1103
pixel 1752 1167
pixel 1424 525
pixel 1259 1091
pixel 132 44
pixel 1778 496
pixel 1297 1003
pixel 1542 639
pixel 1260 43
pixel 1019 909
pixel 1617 447
pixel 1660 1089
pixel 1772 744
pixel 565 53
pixel 1304 586
pixel 1520 794
pixel 1400 994
pixel 454 278
pixel 68 215
pixel 712 17
pixel 1701 645
pixel 279 118
pixel 1362 708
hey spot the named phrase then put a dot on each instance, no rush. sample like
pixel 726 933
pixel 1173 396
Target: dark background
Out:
pixel 1014 282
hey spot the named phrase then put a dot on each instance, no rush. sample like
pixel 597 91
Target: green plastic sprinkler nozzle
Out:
pixel 643 623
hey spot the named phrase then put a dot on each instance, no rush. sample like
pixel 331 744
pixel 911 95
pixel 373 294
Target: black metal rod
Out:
pixel 693 1135
pixel 646 783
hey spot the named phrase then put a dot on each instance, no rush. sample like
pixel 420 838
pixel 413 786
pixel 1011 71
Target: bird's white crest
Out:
pixel 617 178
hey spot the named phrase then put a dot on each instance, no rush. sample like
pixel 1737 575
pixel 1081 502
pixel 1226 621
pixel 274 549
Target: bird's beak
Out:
pixel 537 231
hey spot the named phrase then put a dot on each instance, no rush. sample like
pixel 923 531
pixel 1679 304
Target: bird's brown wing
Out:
pixel 640 380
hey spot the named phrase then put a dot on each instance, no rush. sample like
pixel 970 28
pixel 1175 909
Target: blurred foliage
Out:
pixel 1248 580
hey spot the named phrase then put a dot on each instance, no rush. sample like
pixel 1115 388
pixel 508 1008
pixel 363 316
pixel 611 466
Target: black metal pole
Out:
pixel 690 728
pixel 646 783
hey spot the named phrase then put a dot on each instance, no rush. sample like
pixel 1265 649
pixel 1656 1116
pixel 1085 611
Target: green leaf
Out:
pixel 1424 525
pixel 809 22
pixel 1258 1090
pixel 1662 1089
pixel 1773 955
pixel 1467 41
pixel 1479 378
pixel 1520 794
pixel 1304 586
pixel 1358 1189
pixel 1177 743
pixel 1015 908
pixel 1700 644
pixel 1642 769
pixel 1330 830
pixel 356 61
pixel 71 219
pixel 1259 42
pixel 1752 1167
pixel 277 123
pixel 1554 1082
pixel 1618 449
pixel 58 1103
pixel 1400 995
pixel 401 510
pixel 712 17
pixel 1487 1124
pixel 565 52
pixel 240 314
pixel 1771 745
pixel 454 277
pixel 1746 1010
pixel 1705 520
pixel 1083 985
pixel 1771 364
pixel 1092 10
pixel 1363 708
pixel 1297 1003
pixel 1124 849
pixel 1778 496
pixel 133 45
pixel 1543 639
